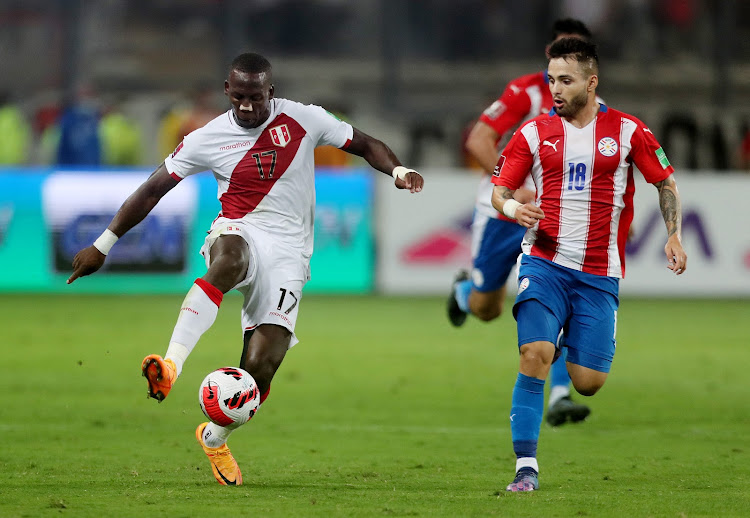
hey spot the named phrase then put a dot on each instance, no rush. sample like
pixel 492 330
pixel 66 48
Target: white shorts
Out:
pixel 273 285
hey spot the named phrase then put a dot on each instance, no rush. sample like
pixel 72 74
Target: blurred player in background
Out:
pixel 496 240
pixel 261 153
pixel 581 157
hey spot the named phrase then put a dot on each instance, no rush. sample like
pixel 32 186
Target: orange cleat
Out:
pixel 225 468
pixel 160 374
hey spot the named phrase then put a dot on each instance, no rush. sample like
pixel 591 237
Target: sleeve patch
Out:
pixel 499 166
pixel 332 115
pixel 662 157
pixel 495 110
pixel 177 149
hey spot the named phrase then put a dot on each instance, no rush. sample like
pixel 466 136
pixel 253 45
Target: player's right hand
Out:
pixel 86 262
pixel 413 182
pixel 528 215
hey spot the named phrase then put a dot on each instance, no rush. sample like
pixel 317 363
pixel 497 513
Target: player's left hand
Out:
pixel 676 256
pixel 412 181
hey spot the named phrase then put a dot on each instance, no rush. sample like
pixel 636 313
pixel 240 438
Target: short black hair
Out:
pixel 582 51
pixel 250 63
pixel 570 26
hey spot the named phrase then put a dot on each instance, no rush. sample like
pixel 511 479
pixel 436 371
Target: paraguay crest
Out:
pixel 607 146
pixel 280 135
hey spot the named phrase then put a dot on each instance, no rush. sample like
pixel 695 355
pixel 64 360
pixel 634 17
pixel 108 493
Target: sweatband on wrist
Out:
pixel 104 242
pixel 400 172
pixel 509 208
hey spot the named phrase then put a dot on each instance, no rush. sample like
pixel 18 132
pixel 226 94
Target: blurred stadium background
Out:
pixel 386 410
pixel 415 74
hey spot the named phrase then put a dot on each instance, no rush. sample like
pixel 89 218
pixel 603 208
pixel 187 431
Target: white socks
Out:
pixel 197 314
pixel 556 393
pixel 215 435
pixel 527 462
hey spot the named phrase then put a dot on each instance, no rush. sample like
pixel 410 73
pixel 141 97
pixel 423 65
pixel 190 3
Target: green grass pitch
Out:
pixel 383 409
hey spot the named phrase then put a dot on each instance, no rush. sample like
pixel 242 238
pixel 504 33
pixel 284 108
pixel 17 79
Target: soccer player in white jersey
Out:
pixel 581 156
pixel 495 239
pixel 261 154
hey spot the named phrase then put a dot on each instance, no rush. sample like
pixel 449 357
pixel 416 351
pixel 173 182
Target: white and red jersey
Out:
pixel 265 174
pixel 584 185
pixel 523 98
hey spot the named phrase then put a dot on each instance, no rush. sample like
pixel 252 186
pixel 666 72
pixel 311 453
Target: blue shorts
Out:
pixel 583 304
pixel 496 245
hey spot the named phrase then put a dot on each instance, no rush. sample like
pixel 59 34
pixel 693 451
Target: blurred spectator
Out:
pixel 184 117
pixel 744 151
pixel 170 129
pixel 79 143
pixel 676 20
pixel 44 126
pixel 15 133
pixel 202 111
pixel 121 138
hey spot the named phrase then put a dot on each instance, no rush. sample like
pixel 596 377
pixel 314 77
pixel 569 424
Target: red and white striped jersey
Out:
pixel 265 174
pixel 523 98
pixel 584 185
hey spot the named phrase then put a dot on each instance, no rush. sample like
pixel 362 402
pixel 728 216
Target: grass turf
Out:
pixel 383 409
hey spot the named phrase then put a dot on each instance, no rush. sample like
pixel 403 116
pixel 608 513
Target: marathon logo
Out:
pixel 236 145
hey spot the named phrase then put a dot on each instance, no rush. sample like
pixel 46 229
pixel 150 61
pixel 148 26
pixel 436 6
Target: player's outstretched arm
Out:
pixel 132 212
pixel 380 156
pixel 671 211
pixel 527 214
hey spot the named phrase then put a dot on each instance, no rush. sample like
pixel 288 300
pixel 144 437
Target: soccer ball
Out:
pixel 229 397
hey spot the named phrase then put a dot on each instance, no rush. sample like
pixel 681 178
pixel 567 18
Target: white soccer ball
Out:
pixel 229 396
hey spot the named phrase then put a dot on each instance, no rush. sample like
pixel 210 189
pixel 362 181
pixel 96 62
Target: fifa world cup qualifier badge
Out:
pixel 523 285
pixel 662 156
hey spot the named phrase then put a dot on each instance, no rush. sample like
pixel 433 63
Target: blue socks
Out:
pixel 526 415
pixel 463 290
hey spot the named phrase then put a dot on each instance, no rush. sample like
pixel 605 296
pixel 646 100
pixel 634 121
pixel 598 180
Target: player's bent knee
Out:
pixel 486 314
pixel 587 390
pixel 228 269
pixel 587 382
pixel 485 306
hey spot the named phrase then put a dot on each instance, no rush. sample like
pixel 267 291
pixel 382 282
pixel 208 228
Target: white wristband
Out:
pixel 400 172
pixel 509 208
pixel 104 242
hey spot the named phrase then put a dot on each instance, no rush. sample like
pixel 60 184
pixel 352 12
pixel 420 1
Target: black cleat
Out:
pixel 566 410
pixel 455 315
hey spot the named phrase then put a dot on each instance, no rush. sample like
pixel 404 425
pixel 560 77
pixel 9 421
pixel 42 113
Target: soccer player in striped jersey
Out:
pixel 496 240
pixel 581 156
pixel 261 153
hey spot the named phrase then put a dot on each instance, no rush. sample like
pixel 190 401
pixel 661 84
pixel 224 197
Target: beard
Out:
pixel 570 108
